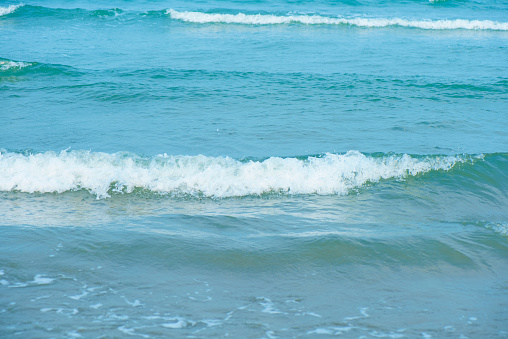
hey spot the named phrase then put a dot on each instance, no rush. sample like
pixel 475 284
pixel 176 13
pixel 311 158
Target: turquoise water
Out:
pixel 254 169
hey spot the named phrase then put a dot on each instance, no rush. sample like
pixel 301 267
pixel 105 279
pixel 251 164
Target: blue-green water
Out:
pixel 254 169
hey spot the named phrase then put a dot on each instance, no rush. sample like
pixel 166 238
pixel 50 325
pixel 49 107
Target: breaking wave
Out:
pixel 266 19
pixel 103 174
pixel 13 65
pixel 258 19
pixel 9 9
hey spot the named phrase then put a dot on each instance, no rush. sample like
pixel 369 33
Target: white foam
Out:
pixel 268 305
pixel 131 331
pixel 9 9
pixel 6 65
pixel 74 334
pixel 42 280
pixel 312 314
pixel 341 329
pixel 267 19
pixel 136 302
pixel 363 311
pixel 79 296
pixel 177 323
pixel 220 177
pixel 211 322
pixel 18 284
pixel 119 317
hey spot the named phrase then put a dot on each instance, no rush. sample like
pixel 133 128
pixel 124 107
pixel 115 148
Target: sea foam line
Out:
pixel 267 19
pixel 218 177
pixel 9 9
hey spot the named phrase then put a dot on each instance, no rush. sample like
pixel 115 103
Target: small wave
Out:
pixel 9 9
pixel 33 68
pixel 33 11
pixel 13 65
pixel 218 177
pixel 264 19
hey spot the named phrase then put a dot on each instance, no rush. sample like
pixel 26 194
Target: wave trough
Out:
pixel 203 176
pixel 262 19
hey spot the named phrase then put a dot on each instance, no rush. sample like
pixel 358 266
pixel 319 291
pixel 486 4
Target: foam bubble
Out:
pixel 267 19
pixel 9 9
pixel 103 174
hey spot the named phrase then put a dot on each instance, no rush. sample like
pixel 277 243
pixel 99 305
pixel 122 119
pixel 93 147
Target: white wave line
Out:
pixel 267 19
pixel 207 176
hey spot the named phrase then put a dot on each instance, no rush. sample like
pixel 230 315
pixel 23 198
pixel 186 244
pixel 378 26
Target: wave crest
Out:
pixel 13 65
pixel 9 9
pixel 216 177
pixel 266 19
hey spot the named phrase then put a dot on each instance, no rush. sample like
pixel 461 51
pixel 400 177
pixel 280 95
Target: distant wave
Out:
pixel 103 174
pixel 262 19
pixel 258 19
pixel 36 69
pixel 9 9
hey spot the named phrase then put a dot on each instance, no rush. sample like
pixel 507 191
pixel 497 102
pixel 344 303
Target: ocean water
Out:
pixel 254 169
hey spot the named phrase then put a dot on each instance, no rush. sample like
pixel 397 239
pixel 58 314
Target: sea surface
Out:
pixel 254 169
